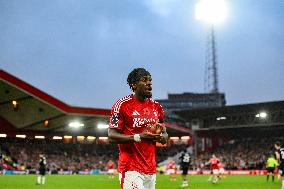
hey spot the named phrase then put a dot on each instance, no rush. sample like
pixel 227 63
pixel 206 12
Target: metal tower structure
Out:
pixel 211 66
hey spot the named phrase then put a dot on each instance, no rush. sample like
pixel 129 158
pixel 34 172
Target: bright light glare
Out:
pixel 262 115
pixel 103 138
pixel 57 138
pixel 14 102
pixel 102 126
pixel 39 137
pixel 3 135
pixel 212 11
pixel 21 136
pixel 185 138
pixel 75 124
pixel 80 137
pixel 174 138
pixel 221 118
pixel 91 138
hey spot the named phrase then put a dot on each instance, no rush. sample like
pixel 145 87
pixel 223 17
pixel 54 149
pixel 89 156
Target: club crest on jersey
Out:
pixel 114 119
pixel 146 111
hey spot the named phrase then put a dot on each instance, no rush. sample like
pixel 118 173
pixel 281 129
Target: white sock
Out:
pixel 43 179
pixel 282 184
pixel 38 179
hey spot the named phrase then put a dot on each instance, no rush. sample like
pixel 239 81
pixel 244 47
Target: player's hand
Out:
pixel 163 138
pixel 146 135
pixel 161 129
pixel 157 128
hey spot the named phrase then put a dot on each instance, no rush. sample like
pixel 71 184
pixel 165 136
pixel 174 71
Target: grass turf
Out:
pixel 103 182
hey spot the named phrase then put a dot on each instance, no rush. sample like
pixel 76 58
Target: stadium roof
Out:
pixel 37 111
pixel 245 115
pixel 36 106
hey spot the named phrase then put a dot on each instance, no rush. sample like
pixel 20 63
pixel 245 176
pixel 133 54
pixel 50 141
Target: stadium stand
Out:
pixel 22 154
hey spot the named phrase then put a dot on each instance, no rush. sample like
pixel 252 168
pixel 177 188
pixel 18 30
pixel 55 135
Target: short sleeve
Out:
pixel 116 120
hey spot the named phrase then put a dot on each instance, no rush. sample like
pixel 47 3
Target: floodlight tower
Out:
pixel 212 12
pixel 211 69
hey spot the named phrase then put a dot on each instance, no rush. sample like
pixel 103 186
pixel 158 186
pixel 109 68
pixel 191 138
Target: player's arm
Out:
pixel 277 155
pixel 208 162
pixel 276 163
pixel 116 124
pixel 115 136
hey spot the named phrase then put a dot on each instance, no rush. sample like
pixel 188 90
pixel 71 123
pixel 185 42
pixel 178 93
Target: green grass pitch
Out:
pixel 103 182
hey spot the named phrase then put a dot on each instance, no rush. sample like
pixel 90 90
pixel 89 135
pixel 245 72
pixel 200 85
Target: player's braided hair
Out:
pixel 135 75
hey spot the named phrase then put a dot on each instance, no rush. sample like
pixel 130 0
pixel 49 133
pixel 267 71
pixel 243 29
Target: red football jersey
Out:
pixel 214 163
pixel 131 116
pixel 110 165
pixel 171 165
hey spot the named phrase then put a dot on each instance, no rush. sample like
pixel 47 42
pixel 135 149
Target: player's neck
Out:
pixel 140 98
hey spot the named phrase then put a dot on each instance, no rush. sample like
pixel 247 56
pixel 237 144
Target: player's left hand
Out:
pixel 146 135
pixel 157 128
pixel 163 138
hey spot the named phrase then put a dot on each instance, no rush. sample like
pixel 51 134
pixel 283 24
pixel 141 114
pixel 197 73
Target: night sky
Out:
pixel 81 51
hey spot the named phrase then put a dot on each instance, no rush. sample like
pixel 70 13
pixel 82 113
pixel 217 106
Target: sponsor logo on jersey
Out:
pixel 144 117
pixel 135 113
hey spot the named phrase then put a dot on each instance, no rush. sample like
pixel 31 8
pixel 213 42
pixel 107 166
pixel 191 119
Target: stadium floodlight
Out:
pixel 20 136
pixel 91 138
pixel 262 115
pixel 102 126
pixel 46 122
pixel 211 11
pixel 57 138
pixel 67 137
pixel 40 137
pixel 185 138
pixel 76 124
pixel 80 137
pixel 3 135
pixel 221 118
pixel 15 105
pixel 174 138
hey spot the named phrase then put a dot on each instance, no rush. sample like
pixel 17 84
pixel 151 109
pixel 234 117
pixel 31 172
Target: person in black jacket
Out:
pixel 185 160
pixel 41 170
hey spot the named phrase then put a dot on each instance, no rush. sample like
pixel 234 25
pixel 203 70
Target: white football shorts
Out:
pixel 136 180
pixel 215 171
pixel 171 171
